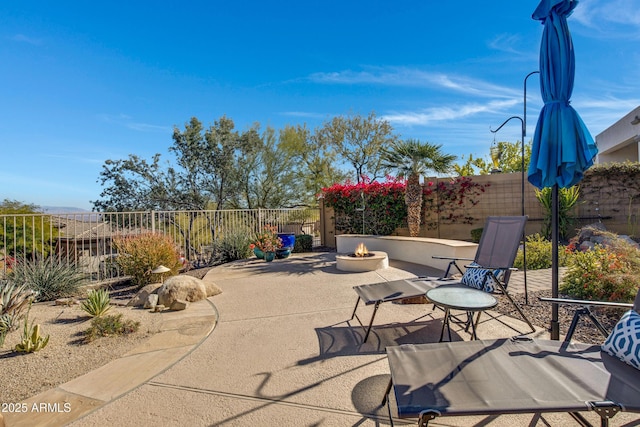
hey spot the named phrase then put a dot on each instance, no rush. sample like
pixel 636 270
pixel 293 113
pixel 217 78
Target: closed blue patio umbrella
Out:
pixel 562 146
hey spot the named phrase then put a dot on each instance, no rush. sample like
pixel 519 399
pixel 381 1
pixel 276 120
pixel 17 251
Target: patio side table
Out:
pixel 463 298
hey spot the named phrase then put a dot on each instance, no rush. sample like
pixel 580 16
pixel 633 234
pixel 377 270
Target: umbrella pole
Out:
pixel 555 237
pixel 524 232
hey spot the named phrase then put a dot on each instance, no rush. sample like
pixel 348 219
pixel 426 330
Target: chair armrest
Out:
pixel 585 311
pixel 586 302
pixel 450 258
pixel 492 268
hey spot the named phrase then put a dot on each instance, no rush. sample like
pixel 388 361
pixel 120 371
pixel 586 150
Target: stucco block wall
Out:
pixel 502 197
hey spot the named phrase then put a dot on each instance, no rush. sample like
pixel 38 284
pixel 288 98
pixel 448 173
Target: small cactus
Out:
pixel 31 339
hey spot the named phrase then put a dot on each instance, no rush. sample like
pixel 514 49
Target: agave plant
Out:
pixel 14 300
pixel 567 199
pixel 51 277
pixel 97 303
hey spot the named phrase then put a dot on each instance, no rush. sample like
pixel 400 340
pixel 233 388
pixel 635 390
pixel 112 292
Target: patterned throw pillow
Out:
pixel 474 277
pixel 624 341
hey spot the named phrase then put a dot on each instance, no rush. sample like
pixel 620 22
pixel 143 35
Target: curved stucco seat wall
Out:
pixel 418 250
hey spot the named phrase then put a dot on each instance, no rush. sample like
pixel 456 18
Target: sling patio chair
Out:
pixel 490 271
pixel 519 376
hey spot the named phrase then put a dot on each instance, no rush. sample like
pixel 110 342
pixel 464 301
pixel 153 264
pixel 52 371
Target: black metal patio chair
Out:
pixel 489 270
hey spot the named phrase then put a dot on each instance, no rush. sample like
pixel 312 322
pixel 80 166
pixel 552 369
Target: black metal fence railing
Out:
pixel 86 238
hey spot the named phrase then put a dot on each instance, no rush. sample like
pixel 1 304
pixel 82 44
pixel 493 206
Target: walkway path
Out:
pixel 282 354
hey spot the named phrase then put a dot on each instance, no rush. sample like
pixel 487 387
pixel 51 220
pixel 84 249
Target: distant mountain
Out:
pixel 62 209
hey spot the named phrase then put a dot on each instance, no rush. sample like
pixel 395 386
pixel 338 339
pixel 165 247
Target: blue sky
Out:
pixel 83 82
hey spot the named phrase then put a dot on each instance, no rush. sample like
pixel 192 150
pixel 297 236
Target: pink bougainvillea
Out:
pixel 445 202
pixel 384 208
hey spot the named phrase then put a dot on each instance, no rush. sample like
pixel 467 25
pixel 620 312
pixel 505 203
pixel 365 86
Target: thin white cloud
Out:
pixel 145 127
pixel 21 38
pixel 399 76
pixel 432 115
pixel 127 121
pixel 609 18
pixel 72 158
pixel 303 114
pixel 610 103
pixel 600 113
pixel 506 43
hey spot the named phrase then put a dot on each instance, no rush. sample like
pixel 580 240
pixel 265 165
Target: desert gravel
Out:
pixel 66 356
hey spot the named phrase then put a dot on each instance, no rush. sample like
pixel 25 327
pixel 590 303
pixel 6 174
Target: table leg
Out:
pixel 473 325
pixel 445 324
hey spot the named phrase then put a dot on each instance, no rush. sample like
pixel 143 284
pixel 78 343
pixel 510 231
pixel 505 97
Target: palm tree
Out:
pixel 411 159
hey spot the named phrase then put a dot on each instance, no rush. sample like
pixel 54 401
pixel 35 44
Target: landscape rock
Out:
pixel 178 305
pixel 158 308
pixel 152 301
pixel 596 234
pixel 141 297
pixel 211 288
pixel 586 246
pixel 182 287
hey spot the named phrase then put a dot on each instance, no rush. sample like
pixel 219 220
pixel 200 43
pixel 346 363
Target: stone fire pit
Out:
pixel 362 260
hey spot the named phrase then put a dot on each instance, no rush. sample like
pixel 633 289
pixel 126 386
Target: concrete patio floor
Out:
pixel 282 353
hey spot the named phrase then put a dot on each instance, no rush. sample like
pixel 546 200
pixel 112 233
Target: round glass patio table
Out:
pixel 464 298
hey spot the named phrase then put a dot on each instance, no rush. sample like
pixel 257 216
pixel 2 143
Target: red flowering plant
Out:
pixel 383 204
pixel 607 271
pixel 267 240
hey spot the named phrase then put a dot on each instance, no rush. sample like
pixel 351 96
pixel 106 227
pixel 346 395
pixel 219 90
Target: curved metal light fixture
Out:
pixel 161 269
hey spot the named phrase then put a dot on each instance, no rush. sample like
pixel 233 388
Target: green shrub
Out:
pixel 476 234
pixel 233 246
pixel 51 278
pixel 97 303
pixel 139 254
pixel 304 243
pixel 603 273
pixel 538 254
pixel 113 324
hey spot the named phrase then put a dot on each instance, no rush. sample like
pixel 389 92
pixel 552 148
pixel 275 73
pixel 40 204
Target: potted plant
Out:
pixel 267 243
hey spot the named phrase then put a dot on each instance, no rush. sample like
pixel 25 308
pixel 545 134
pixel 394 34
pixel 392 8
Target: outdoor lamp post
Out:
pixel 524 251
pixel 524 128
pixel 523 134
pixel 523 122
pixel 161 269
pixel 524 114
pixel 362 209
pixel 496 155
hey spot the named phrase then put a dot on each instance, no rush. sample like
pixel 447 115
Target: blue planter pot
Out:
pixel 283 253
pixel 288 240
pixel 269 256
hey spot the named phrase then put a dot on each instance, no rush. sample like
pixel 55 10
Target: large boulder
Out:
pixel 181 287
